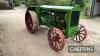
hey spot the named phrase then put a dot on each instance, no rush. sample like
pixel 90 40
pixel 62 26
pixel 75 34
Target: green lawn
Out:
pixel 82 16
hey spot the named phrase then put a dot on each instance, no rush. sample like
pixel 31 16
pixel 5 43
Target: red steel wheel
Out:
pixel 31 21
pixel 81 34
pixel 56 39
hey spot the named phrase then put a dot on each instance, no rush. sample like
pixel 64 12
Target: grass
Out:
pixel 82 16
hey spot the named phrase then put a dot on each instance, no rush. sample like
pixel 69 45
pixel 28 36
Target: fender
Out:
pixel 32 8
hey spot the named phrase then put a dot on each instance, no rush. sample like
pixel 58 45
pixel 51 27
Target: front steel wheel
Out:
pixel 31 21
pixel 56 39
pixel 81 34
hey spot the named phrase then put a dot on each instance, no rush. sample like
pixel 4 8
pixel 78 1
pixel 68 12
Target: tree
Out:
pixel 16 2
pixel 81 3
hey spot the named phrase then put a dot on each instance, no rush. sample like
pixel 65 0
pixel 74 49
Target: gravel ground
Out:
pixel 15 40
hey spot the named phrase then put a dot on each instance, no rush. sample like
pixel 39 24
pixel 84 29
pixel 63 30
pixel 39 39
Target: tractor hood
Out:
pixel 51 7
pixel 56 7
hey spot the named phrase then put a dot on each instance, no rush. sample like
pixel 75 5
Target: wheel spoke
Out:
pixel 81 30
pixel 81 36
pixel 59 40
pixel 82 33
pixel 31 26
pixel 76 37
pixel 58 45
pixel 54 43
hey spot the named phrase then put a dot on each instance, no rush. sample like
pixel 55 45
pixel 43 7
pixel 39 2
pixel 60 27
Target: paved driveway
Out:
pixel 16 41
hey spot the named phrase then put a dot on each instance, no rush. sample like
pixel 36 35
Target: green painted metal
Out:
pixel 57 16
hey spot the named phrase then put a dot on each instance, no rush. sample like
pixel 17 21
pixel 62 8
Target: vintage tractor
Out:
pixel 63 22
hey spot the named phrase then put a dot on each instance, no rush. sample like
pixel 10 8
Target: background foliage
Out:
pixel 84 4
pixel 16 2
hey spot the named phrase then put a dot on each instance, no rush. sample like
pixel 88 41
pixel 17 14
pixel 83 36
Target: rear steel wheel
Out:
pixel 81 34
pixel 56 39
pixel 31 21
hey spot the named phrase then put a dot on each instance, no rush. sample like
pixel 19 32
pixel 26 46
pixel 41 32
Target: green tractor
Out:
pixel 63 22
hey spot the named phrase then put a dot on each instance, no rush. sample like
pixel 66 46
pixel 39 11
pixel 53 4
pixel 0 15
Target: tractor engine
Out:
pixel 57 18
